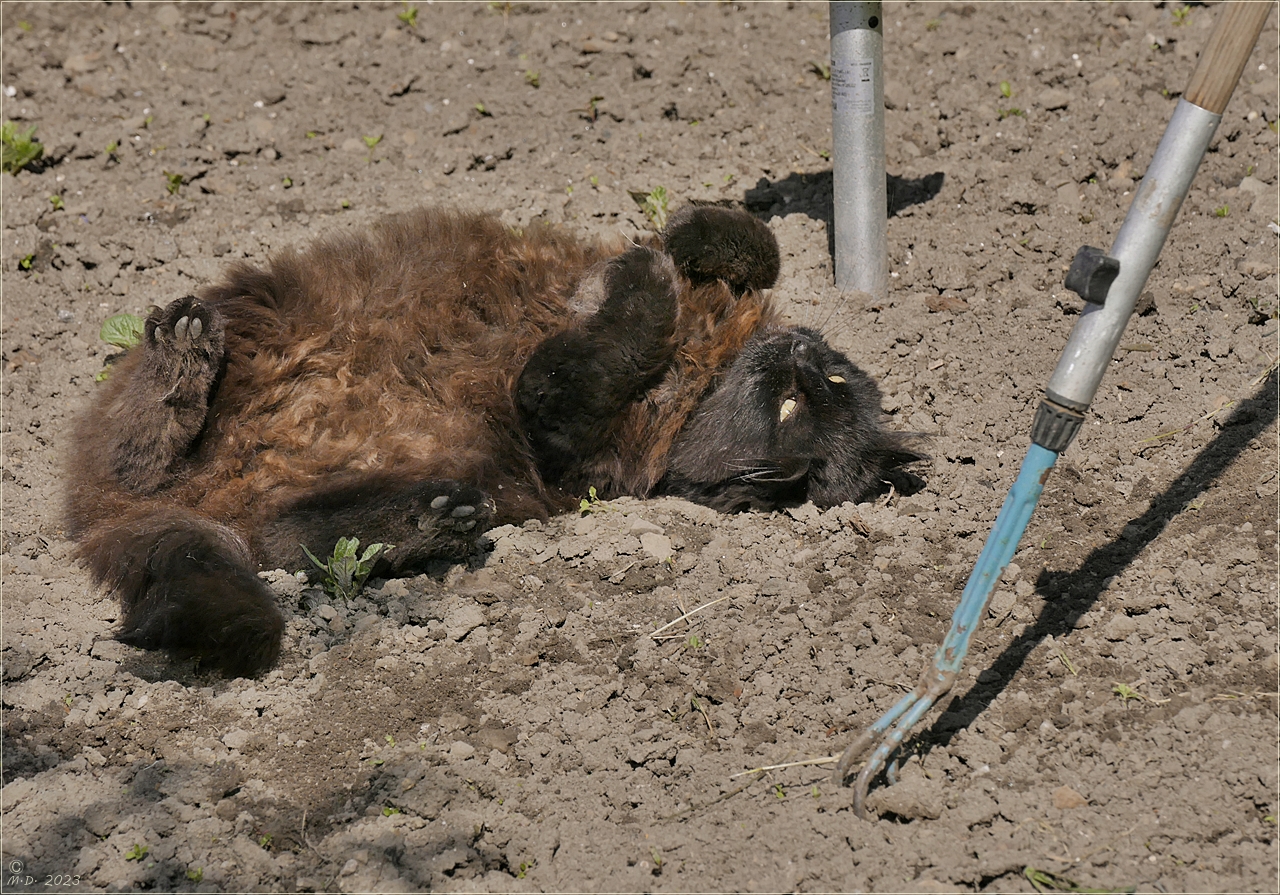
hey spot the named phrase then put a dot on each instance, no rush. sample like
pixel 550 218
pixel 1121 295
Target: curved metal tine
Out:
pixel 873 734
pixel 931 688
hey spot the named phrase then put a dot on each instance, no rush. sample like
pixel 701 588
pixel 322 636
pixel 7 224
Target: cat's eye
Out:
pixel 835 379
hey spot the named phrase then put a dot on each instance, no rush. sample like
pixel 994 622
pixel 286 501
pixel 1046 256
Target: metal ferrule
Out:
pixel 1097 333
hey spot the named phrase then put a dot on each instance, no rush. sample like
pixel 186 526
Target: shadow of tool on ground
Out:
pixel 1069 595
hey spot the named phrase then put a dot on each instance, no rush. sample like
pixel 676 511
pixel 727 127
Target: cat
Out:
pixel 440 374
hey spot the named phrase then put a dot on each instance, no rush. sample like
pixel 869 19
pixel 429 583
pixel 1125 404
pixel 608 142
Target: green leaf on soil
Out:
pixel 20 149
pixel 122 330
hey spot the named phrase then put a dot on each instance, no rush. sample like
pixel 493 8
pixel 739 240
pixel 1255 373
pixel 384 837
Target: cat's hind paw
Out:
pixel 455 509
pixel 186 339
pixel 708 242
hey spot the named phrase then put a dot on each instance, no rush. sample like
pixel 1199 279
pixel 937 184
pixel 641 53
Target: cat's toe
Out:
pixel 185 324
pixel 459 509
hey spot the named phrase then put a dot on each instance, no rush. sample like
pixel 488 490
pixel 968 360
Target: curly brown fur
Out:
pixel 433 377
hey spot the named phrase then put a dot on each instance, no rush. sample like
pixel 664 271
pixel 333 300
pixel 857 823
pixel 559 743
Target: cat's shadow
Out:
pixel 812 195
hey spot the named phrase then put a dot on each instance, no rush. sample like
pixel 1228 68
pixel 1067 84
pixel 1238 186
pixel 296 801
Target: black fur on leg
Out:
pixel 186 585
pixel 578 382
pixel 421 520
pixel 712 243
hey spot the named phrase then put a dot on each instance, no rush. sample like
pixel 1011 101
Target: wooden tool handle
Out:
pixel 1224 58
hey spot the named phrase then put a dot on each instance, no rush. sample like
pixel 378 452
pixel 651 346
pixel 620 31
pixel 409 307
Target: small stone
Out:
pixel 237 739
pixel 916 798
pixel 1054 98
pixel 1002 603
pixel 1120 627
pixel 462 620
pixel 656 545
pixel 1065 798
pixel 640 526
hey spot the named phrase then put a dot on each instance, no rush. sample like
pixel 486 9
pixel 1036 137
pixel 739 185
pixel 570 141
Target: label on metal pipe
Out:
pixel 853 87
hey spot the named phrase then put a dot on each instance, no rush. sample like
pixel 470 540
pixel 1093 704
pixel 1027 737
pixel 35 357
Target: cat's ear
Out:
pixel 710 243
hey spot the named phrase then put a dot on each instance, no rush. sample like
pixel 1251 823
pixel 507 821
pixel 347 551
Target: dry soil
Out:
pixel 516 723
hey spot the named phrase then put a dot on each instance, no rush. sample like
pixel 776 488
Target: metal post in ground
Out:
pixel 857 157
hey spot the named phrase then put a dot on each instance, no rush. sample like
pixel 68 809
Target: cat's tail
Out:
pixel 186 585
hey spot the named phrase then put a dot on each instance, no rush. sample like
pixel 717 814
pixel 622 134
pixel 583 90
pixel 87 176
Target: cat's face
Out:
pixel 793 420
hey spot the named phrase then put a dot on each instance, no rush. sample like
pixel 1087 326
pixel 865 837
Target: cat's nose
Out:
pixel 800 348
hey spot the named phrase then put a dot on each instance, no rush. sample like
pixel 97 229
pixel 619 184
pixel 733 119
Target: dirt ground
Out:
pixel 519 723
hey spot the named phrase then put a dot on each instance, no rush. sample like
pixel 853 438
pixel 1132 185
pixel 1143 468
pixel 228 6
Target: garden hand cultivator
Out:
pixel 1110 285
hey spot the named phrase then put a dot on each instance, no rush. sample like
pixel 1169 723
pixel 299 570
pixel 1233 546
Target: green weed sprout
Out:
pixel 409 15
pixel 821 69
pixel 137 853
pixel 1181 15
pixel 174 183
pixel 57 202
pixel 1006 89
pixel 196 875
pixel 532 77
pixel 122 331
pixel 653 204
pixel 1222 211
pixel 592 502
pixel 20 149
pixel 345 572
pixel 1125 692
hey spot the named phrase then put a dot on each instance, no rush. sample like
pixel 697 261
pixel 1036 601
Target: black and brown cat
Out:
pixel 436 376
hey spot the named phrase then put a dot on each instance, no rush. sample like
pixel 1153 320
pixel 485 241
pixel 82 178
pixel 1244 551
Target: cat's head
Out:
pixel 792 420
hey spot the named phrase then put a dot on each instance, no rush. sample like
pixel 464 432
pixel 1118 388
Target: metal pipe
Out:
pixel 857 132
pixel 1097 333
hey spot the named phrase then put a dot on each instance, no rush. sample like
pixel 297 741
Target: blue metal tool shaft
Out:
pixel 1011 522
